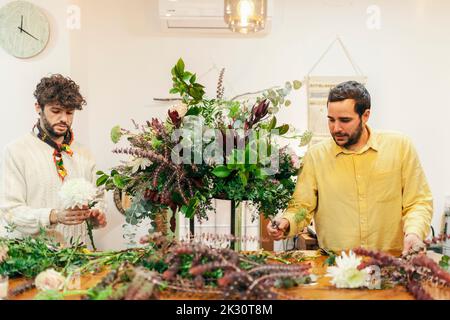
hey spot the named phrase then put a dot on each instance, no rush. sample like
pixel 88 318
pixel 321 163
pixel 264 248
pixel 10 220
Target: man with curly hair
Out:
pixel 35 166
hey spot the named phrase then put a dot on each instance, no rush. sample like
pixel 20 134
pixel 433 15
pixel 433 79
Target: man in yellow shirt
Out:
pixel 363 188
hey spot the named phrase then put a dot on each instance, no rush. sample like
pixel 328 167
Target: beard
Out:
pixel 50 128
pixel 353 138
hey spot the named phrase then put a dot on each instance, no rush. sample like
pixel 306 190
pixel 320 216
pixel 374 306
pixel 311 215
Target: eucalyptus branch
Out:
pixel 253 93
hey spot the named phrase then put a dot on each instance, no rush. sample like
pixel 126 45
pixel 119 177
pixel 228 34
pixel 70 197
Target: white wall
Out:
pixel 123 61
pixel 18 78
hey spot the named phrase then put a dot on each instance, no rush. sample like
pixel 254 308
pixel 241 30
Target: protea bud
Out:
pixel 261 110
pixel 175 118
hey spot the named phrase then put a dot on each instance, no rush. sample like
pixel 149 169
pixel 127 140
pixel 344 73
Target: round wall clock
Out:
pixel 24 29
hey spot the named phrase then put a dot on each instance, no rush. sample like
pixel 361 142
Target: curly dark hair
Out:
pixel 58 89
pixel 351 90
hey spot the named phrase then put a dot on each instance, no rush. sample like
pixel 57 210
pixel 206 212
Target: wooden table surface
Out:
pixel 321 290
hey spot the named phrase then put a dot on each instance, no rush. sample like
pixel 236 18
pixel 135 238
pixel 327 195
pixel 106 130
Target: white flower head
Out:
pixel 346 274
pixel 77 193
pixel 139 163
pixel 49 280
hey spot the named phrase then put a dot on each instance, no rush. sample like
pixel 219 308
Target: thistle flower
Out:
pixel 49 280
pixel 346 274
pixel 77 193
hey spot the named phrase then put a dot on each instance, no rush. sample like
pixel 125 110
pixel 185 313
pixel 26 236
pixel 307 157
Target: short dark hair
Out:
pixel 351 90
pixel 59 89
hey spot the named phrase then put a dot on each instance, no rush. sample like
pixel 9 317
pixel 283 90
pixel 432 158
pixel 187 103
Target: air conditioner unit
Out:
pixel 200 16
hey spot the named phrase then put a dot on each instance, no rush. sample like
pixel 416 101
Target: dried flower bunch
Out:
pixel 414 271
pixel 206 149
pixel 163 265
pixel 199 270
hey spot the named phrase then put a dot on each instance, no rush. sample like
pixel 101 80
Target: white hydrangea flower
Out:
pixel 77 193
pixel 346 274
pixel 49 280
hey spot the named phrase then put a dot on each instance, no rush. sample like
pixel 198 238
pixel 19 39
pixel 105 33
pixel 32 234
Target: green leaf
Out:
pixel 330 261
pixel 156 143
pixel 180 67
pixel 116 134
pixel 100 173
pixel 174 91
pixel 297 84
pixel 259 174
pixel 221 171
pixel 243 178
pixel 193 78
pixel 195 93
pixel 283 129
pixel 187 77
pixel 273 123
pixel 102 180
pixel 189 211
pixel 193 111
pixel 287 103
pixel 119 181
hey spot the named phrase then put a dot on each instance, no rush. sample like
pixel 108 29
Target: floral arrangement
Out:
pixel 205 149
pixel 79 193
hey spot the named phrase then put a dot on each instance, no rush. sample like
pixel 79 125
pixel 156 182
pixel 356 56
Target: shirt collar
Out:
pixel 372 143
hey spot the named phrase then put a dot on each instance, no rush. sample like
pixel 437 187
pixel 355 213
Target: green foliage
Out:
pixel 184 84
pixel 445 263
pixel 300 215
pixel 30 256
pixel 116 134
pixel 331 259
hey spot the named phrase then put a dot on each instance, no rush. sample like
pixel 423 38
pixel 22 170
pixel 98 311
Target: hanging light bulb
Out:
pixel 246 16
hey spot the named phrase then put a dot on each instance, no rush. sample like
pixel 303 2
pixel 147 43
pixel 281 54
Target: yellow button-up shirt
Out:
pixel 370 198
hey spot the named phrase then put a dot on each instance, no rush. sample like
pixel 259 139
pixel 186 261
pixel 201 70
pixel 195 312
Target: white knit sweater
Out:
pixel 29 186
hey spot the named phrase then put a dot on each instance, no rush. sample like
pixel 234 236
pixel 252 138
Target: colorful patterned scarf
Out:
pixel 57 154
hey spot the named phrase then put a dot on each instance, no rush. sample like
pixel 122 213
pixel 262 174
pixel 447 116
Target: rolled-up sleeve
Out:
pixel 417 203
